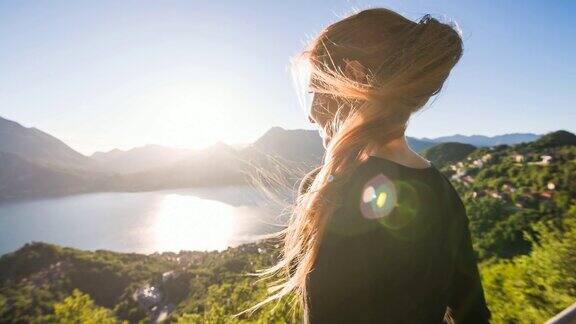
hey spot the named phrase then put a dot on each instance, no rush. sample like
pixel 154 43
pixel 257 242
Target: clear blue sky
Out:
pixel 105 74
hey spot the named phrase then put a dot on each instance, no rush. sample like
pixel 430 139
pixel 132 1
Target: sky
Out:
pixel 120 74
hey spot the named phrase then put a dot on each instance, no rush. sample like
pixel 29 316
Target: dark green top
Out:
pixel 398 251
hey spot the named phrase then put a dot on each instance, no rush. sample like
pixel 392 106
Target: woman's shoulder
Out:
pixel 374 171
pixel 386 195
pixel 377 185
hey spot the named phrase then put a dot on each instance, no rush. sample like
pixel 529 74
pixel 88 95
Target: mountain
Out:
pixel 555 139
pixel 481 140
pixel 291 145
pixel 139 159
pixel 38 146
pixel 278 153
pixel 216 165
pixel 20 177
pixel 34 162
pixel 281 155
pixel 419 145
pixel 444 153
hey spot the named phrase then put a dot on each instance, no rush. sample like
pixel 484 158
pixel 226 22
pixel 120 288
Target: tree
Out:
pixel 227 299
pixel 532 288
pixel 79 308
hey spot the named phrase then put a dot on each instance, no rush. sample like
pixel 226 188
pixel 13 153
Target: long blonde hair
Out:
pixel 403 64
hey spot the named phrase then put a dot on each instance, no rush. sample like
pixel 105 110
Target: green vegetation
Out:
pixel 521 202
pixel 79 308
pixel 449 152
pixel 42 283
pixel 507 190
pixel 532 288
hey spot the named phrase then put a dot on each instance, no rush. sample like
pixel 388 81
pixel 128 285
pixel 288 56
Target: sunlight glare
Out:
pixel 192 223
pixel 188 114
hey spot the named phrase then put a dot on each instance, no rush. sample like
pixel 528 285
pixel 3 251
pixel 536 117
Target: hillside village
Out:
pixel 462 171
pixel 519 160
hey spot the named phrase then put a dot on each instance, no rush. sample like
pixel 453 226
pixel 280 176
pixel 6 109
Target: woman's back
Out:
pixel 398 251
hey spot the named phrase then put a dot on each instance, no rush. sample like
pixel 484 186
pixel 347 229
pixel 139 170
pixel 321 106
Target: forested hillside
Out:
pixel 521 202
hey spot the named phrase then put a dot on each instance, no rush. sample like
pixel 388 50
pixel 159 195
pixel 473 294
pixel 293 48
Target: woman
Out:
pixel 378 234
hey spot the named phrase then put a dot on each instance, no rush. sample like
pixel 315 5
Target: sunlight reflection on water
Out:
pixel 142 222
pixel 184 221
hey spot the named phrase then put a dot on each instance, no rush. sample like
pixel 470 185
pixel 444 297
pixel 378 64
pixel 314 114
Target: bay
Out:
pixel 199 219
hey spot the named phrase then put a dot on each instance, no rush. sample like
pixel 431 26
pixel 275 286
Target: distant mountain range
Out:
pixel 482 141
pixel 34 163
pixel 139 159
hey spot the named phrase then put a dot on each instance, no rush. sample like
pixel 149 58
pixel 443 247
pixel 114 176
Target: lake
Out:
pixel 144 222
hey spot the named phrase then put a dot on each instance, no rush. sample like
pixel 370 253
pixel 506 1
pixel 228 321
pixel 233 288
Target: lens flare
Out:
pixel 394 204
pixel 402 207
pixel 378 197
pixel 381 199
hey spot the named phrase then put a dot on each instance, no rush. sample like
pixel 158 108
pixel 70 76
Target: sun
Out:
pixel 188 114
